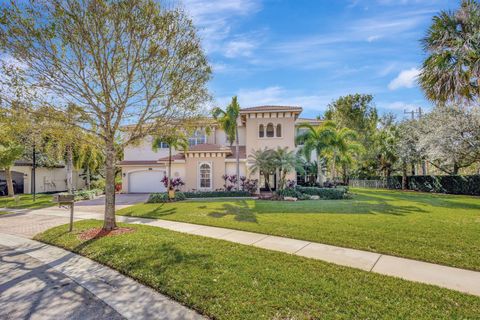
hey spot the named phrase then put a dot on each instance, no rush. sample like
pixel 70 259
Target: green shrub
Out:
pixel 87 194
pixel 163 197
pixel 325 193
pixel 289 192
pixel 217 194
pixel 98 184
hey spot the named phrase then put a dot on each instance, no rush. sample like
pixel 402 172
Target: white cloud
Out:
pixel 405 79
pixel 238 48
pixel 373 38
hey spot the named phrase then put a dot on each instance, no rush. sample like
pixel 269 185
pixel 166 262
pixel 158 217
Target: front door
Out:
pixel 272 181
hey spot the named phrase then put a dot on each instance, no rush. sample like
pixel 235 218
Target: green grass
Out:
pixel 437 228
pixel 26 201
pixel 224 280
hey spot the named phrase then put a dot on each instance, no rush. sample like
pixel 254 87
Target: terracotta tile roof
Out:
pixel 208 147
pixel 137 162
pixel 178 156
pixel 242 153
pixel 311 121
pixel 271 108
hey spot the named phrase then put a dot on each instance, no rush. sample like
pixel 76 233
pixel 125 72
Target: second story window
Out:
pixel 163 145
pixel 279 130
pixel 261 131
pixel 199 137
pixel 270 130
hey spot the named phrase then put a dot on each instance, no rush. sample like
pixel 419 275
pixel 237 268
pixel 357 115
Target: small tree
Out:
pixel 121 62
pixel 9 152
pixel 263 163
pixel 228 121
pixel 284 161
pixel 176 141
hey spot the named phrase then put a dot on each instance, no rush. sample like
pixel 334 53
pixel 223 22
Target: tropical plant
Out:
pixel 341 146
pixel 315 138
pixel 228 122
pixel 262 161
pixel 285 161
pixel 134 63
pixel 177 141
pixel 451 72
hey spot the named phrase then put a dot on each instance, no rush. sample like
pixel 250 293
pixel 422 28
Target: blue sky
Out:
pixel 309 52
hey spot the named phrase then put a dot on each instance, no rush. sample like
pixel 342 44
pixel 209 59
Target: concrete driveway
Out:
pixel 121 201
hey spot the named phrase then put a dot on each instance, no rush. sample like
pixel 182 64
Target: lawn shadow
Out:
pixel 240 210
pixel 158 212
pixel 438 200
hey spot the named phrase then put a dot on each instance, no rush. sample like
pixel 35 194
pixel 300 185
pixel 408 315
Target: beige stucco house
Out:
pixel 210 156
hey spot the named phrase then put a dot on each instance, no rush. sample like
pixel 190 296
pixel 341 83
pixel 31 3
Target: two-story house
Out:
pixel 210 156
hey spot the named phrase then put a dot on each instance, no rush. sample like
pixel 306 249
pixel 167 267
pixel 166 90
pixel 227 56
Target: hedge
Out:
pixel 217 194
pixel 455 184
pixel 163 197
pixel 325 193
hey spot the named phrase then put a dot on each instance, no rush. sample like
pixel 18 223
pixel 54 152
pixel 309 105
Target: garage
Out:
pixel 146 181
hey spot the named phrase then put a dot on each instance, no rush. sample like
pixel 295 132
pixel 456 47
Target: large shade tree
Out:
pixel 228 120
pixel 121 62
pixel 451 71
pixel 450 137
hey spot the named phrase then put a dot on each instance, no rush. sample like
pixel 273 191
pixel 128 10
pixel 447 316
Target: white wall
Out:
pixel 48 179
pixel 143 151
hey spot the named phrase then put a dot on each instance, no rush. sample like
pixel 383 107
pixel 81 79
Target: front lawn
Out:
pixel 224 280
pixel 437 228
pixel 26 201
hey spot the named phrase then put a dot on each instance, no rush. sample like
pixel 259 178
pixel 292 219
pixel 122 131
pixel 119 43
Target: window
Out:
pixel 199 137
pixel 163 145
pixel 270 130
pixel 279 130
pixel 205 176
pixel 261 131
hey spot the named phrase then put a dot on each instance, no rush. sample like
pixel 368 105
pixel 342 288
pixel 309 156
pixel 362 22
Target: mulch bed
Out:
pixel 96 233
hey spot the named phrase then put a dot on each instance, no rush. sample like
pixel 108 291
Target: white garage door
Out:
pixel 146 182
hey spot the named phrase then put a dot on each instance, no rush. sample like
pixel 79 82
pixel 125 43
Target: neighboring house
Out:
pixel 209 157
pixel 46 179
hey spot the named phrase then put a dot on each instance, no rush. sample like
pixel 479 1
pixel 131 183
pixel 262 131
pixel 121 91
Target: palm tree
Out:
pixel 341 146
pixel 285 161
pixel 452 69
pixel 176 141
pixel 228 122
pixel 315 138
pixel 263 162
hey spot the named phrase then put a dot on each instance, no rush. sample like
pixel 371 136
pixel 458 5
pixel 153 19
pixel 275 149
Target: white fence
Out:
pixel 377 184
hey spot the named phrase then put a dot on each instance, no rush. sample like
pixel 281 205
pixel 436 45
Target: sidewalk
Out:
pixel 46 282
pixel 462 280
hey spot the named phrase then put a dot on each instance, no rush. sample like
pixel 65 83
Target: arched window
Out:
pixel 279 130
pixel 205 176
pixel 261 131
pixel 270 130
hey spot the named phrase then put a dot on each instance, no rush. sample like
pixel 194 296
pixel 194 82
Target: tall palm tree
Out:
pixel 315 138
pixel 452 69
pixel 228 122
pixel 341 146
pixel 177 141
pixel 285 161
pixel 263 163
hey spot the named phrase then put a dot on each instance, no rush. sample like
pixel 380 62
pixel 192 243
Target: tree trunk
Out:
pixel 334 173
pixel 404 176
pixel 320 179
pixel 237 151
pixel 8 178
pixel 69 167
pixel 456 168
pixel 88 178
pixel 109 219
pixel 169 167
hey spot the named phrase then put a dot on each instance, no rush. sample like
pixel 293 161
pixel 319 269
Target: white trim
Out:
pixel 200 163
